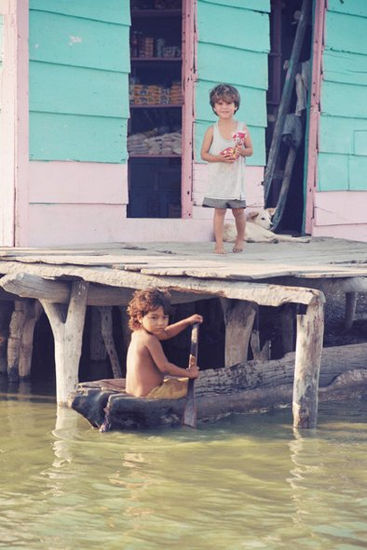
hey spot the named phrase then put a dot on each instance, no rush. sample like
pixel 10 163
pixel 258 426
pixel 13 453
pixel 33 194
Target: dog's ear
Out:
pixel 271 211
pixel 252 215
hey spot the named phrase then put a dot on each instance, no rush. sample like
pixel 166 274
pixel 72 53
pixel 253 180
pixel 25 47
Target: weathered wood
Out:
pixel 350 309
pixel 33 312
pixel 97 348
pixel 259 353
pixel 6 309
pixel 282 199
pixel 310 331
pixel 249 387
pixel 287 321
pixel 239 319
pixel 67 327
pixel 17 322
pixel 286 96
pixel 107 335
pixel 28 285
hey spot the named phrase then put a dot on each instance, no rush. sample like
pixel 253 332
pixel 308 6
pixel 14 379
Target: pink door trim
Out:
pixel 314 117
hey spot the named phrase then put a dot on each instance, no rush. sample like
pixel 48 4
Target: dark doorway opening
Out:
pixel 283 26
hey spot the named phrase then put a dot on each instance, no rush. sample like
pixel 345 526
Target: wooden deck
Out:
pixel 271 274
pixel 321 258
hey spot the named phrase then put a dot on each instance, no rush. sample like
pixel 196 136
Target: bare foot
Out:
pixel 238 247
pixel 219 250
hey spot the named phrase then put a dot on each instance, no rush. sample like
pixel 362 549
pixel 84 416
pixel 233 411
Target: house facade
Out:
pixel 104 106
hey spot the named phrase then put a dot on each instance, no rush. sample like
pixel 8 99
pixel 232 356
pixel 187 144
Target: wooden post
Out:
pixel 33 311
pixel 67 327
pixel 350 309
pixel 14 341
pixel 287 326
pixel 239 319
pixel 107 335
pixel 97 348
pixel 310 332
pixel 6 309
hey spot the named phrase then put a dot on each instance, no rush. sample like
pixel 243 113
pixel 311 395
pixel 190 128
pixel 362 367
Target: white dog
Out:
pixel 258 229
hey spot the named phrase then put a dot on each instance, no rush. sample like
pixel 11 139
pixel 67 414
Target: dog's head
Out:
pixel 263 217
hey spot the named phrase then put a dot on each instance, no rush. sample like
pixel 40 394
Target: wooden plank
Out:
pixel 114 11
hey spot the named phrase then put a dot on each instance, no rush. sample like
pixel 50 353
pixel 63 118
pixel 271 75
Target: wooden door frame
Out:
pixel 189 75
pixel 14 123
pixel 319 10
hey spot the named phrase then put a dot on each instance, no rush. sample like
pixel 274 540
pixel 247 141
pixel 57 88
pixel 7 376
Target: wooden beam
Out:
pixel 107 335
pixel 67 327
pixel 239 319
pixel 310 332
pixel 26 285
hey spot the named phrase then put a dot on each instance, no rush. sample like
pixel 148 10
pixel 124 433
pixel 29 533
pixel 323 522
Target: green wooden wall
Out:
pixel 233 46
pixel 342 161
pixel 78 81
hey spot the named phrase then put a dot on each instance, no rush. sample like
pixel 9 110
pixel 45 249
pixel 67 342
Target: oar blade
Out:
pixel 190 412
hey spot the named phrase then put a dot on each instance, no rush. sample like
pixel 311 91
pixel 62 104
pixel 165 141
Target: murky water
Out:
pixel 248 482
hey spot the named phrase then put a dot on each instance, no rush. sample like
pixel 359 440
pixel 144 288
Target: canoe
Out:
pixel 245 388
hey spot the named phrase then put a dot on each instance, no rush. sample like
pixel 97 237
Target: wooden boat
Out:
pixel 244 388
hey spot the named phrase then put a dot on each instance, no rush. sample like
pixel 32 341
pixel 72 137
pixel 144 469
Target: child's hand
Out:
pixel 193 370
pixel 195 319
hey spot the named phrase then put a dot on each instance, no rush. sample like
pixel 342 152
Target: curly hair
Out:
pixel 144 301
pixel 224 92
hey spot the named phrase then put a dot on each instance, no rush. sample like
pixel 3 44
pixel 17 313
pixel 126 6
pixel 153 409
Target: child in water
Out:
pixel 147 364
pixel 225 146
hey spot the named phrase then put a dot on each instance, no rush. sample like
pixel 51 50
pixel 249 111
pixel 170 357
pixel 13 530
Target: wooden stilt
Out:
pixel 287 318
pixel 350 309
pixel 33 310
pixel 67 327
pixel 310 331
pixel 17 321
pixel 107 335
pixel 239 319
pixel 6 309
pixel 97 348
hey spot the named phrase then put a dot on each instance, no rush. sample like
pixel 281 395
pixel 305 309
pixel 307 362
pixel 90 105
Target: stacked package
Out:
pixel 175 93
pixel 148 143
pixel 152 94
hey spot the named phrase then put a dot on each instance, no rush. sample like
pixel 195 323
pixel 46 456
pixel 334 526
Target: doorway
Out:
pixel 156 103
pixel 284 18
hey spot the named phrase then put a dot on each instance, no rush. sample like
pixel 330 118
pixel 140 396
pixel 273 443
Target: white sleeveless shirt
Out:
pixel 226 180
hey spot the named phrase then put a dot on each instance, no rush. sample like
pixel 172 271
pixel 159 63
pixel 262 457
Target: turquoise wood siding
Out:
pixel 342 162
pixel 233 47
pixel 78 81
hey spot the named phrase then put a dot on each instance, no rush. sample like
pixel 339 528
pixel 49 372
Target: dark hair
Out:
pixel 144 301
pixel 224 92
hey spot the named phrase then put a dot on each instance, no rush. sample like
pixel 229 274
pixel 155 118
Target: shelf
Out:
pixel 156 106
pixel 156 13
pixel 157 59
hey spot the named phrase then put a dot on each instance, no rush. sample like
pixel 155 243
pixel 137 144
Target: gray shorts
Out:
pixel 222 203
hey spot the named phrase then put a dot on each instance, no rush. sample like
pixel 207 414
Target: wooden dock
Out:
pixel 65 280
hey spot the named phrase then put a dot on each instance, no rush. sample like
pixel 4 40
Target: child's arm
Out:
pixel 160 360
pixel 246 150
pixel 205 155
pixel 176 328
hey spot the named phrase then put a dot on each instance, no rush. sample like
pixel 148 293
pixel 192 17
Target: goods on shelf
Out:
pixel 151 143
pixel 147 46
pixel 154 94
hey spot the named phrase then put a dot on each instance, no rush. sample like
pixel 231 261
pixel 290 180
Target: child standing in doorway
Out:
pixel 147 364
pixel 225 146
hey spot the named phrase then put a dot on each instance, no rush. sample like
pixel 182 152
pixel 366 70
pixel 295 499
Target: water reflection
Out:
pixel 246 482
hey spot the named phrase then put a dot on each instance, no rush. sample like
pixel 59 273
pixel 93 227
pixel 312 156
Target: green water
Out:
pixel 247 482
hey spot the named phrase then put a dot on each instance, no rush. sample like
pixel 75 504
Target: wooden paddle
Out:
pixel 190 412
